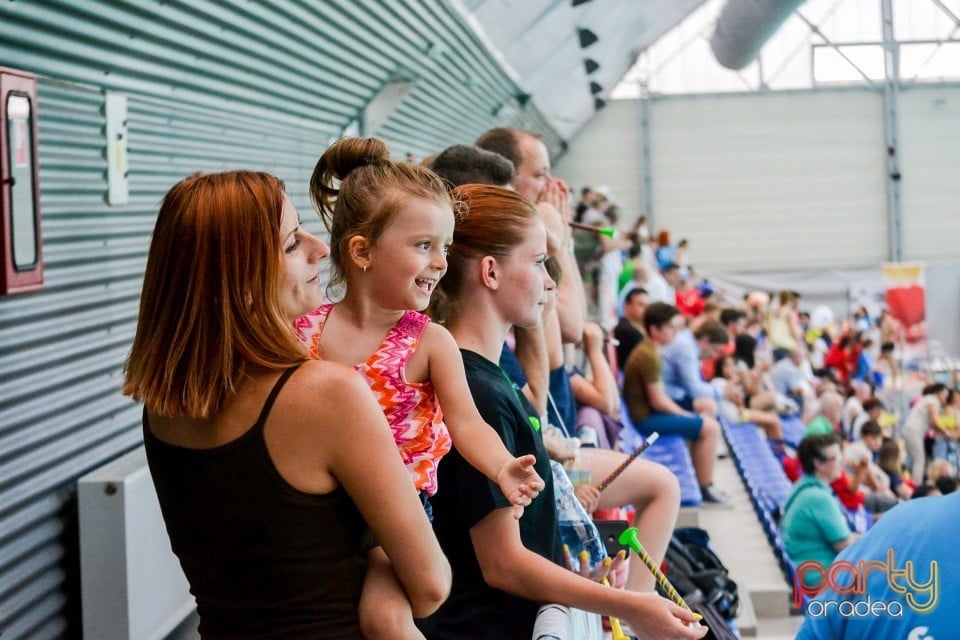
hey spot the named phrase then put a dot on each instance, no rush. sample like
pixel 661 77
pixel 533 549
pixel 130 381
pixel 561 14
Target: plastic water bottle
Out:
pixel 582 536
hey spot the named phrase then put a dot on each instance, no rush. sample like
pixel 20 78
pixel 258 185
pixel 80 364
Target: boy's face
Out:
pixel 873 442
pixel 665 334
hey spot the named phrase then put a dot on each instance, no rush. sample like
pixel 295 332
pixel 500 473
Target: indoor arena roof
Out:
pixel 569 54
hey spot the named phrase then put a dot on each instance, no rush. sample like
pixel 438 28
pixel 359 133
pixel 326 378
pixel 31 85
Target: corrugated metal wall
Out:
pixel 210 85
pixel 758 182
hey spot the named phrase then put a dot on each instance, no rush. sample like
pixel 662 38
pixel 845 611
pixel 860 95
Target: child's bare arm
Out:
pixel 476 441
pixel 382 492
pixel 385 612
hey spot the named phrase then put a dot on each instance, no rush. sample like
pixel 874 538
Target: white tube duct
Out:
pixel 744 26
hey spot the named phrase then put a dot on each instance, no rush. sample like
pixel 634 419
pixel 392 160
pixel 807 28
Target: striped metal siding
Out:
pixel 61 351
pixel 210 85
pixel 59 409
pixel 929 156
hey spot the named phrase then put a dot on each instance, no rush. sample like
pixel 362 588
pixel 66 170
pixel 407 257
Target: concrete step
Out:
pixel 688 517
pixel 779 628
pixel 746 620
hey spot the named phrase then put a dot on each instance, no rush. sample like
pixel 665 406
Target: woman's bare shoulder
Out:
pixel 322 386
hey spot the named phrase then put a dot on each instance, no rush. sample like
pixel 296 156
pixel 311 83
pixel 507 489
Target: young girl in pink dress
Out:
pixel 390 225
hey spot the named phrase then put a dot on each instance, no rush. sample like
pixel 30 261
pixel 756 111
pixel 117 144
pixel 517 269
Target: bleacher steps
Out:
pixel 688 517
pixel 746 621
pixel 741 544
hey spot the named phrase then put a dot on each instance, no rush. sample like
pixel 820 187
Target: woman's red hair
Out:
pixel 210 308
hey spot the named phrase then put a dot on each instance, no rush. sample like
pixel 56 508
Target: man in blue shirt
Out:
pixel 919 601
pixel 681 367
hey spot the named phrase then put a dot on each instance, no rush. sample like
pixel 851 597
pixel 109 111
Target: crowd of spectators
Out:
pixel 506 365
pixel 766 359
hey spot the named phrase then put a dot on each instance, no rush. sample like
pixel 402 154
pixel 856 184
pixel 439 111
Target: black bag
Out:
pixel 698 574
pixel 717 625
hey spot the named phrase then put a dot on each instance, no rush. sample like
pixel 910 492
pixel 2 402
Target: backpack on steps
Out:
pixel 698 574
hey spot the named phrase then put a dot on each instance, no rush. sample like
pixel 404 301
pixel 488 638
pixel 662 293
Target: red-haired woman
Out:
pixel 265 494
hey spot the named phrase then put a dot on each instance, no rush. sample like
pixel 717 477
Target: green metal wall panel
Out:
pixel 210 85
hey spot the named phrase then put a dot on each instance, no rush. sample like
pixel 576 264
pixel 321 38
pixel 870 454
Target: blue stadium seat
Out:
pixel 755 461
pixel 766 482
pixel 859 519
pixel 670 451
pixel 793 429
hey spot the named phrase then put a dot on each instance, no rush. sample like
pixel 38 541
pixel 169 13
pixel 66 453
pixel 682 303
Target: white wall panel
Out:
pixel 772 181
pixel 929 158
pixel 607 151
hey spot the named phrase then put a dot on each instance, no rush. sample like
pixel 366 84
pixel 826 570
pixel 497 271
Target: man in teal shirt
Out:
pixel 813 526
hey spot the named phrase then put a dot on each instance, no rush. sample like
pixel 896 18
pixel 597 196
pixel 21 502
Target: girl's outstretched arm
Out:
pixel 476 441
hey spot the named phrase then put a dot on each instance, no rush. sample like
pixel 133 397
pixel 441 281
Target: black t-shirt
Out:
pixel 474 610
pixel 628 337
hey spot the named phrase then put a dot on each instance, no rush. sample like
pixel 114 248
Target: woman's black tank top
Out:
pixel 264 560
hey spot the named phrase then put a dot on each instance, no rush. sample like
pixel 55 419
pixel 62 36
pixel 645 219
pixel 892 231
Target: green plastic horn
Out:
pixel 602 231
pixel 630 538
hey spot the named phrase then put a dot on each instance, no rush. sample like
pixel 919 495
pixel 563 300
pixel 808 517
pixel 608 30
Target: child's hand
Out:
pixel 657 617
pixel 520 483
pixel 619 571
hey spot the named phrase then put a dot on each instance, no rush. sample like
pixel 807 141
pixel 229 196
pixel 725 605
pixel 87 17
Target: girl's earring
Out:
pixel 364 268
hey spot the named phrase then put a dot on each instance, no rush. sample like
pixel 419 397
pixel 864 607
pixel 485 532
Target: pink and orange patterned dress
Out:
pixel 411 408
